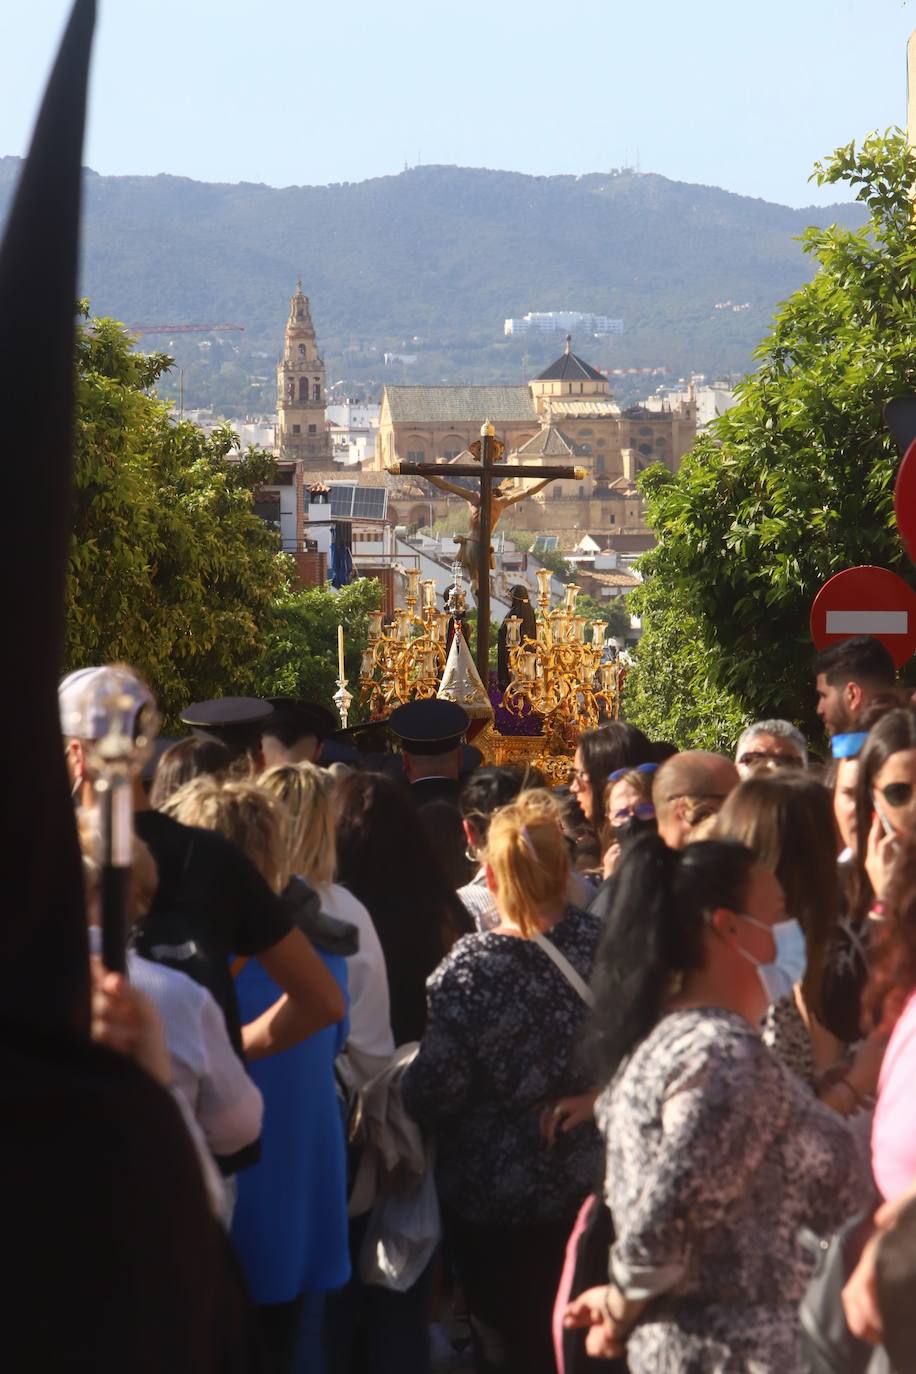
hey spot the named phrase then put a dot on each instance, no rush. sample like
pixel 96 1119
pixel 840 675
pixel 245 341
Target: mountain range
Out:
pixel 430 262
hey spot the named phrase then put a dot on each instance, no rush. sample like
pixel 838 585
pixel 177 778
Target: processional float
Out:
pixel 560 682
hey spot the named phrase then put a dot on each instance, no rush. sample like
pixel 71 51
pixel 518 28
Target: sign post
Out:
pixel 905 500
pixel 866 601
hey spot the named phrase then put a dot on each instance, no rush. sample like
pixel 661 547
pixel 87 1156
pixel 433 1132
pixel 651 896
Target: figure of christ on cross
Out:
pixel 504 495
pixel 487 504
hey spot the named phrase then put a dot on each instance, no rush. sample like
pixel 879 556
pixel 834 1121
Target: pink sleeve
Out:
pixel 893 1140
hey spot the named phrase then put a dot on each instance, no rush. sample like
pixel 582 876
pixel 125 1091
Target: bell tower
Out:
pixel 302 432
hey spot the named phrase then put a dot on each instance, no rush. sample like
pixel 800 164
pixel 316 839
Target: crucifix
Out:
pixel 487 504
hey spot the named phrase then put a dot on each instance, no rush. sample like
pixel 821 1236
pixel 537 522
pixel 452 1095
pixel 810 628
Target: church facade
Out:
pixel 565 414
pixel 302 431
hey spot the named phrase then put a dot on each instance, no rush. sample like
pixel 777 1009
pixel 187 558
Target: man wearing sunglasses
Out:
pixel 770 745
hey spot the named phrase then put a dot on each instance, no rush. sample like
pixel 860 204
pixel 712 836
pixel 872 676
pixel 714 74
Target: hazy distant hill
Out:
pixel 445 253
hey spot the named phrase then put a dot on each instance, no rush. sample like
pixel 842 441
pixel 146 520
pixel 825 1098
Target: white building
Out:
pixel 712 399
pixel 354 426
pixel 562 322
pixel 260 430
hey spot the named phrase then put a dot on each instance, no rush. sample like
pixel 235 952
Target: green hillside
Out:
pixel 432 261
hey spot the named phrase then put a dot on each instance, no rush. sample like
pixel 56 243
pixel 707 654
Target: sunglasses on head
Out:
pixel 640 768
pixel 896 793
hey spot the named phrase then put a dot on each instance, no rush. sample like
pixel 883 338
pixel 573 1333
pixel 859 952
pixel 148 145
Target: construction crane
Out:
pixel 184 328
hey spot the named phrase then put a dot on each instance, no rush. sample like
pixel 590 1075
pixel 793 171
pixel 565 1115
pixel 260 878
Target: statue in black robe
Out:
pixel 522 608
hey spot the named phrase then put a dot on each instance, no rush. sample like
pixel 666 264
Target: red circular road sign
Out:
pixel 866 601
pixel 905 500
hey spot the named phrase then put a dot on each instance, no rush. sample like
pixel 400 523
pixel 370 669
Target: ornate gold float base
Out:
pixel 535 750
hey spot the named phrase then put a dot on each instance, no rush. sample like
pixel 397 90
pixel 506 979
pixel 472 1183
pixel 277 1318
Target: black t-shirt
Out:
pixel 211 903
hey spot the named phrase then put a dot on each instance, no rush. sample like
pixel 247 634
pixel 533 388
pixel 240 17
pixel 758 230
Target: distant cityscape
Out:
pixel 338 457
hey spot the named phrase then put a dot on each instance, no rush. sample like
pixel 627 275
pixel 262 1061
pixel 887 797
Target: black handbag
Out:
pixel 828 1345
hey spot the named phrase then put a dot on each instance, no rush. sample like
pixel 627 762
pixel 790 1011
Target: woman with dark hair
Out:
pixel 885 807
pixel 891 1001
pixel 881 769
pixel 600 752
pixel 629 812
pixel 385 860
pixel 441 823
pixel 716 1153
pixel 788 823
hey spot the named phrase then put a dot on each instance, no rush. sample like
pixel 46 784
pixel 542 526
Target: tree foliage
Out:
pixel 792 485
pixel 171 569
pixel 165 248
pixel 614 612
pixel 300 657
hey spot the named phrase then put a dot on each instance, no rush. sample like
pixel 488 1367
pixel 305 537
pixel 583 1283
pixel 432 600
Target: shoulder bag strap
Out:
pixel 569 973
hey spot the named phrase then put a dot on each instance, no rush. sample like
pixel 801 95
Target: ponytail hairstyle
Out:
pixel 655 934
pixel 527 853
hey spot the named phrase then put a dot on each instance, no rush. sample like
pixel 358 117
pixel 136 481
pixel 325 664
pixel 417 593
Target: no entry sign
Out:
pixel 866 601
pixel 905 500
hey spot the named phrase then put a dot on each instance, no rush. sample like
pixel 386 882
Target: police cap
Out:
pixel 236 722
pixel 429 727
pixel 293 718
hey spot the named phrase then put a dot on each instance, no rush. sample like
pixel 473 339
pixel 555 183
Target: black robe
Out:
pixel 115 1261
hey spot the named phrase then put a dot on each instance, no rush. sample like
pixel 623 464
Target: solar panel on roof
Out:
pixel 545 542
pixel 370 503
pixel 342 501
pixel 352 502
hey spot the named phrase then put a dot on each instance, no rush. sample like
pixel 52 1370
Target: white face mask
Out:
pixel 788 968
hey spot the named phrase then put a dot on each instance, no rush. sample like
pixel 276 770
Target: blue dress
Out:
pixel 290 1223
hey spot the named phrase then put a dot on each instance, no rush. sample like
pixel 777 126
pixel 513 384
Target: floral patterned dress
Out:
pixel 717 1157
pixel 500 1041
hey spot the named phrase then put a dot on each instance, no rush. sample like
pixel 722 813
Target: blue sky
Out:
pixel 741 95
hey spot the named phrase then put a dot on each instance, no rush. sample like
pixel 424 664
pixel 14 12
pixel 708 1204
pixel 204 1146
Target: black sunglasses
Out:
pixel 896 793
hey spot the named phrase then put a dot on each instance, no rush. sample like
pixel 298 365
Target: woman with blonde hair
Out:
pixel 303 793
pixel 290 1222
pixel 506 1008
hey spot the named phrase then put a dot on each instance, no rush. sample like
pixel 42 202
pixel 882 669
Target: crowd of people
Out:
pixel 483 1072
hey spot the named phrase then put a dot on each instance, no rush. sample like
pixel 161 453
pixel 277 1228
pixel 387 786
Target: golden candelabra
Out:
pixel 404 659
pixel 560 674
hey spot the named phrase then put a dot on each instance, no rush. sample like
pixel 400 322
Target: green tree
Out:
pixel 790 486
pixel 300 656
pixel 170 567
pixel 614 612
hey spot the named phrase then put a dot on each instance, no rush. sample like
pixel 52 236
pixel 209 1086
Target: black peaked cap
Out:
pixel 429 727
pixel 307 716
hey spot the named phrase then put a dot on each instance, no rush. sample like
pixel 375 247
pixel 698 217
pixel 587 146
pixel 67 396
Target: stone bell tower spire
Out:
pixel 302 432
